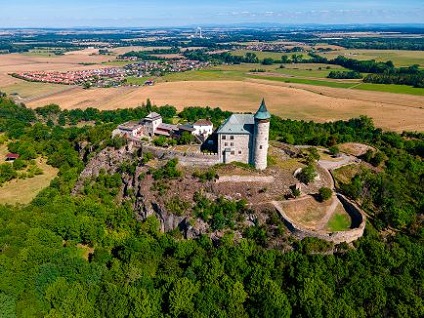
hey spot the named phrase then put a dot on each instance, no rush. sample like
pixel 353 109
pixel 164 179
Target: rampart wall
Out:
pixel 357 230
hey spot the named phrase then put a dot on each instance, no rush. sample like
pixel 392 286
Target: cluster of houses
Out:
pixel 149 68
pixel 112 76
pixel 73 77
pixel 152 125
pixel 272 47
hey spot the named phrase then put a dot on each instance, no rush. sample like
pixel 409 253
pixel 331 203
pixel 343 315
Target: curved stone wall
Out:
pixel 357 230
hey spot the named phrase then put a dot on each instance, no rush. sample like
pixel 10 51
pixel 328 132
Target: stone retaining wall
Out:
pixel 357 231
pixel 184 158
pixel 245 179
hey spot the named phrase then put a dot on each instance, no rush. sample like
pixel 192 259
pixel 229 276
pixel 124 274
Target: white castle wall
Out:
pixel 260 144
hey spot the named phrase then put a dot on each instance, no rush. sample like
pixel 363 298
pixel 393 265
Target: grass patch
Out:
pixel 345 174
pixel 340 221
pixel 391 88
pixel 22 191
pixel 304 81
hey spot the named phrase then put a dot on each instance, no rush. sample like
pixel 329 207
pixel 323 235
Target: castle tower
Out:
pixel 261 137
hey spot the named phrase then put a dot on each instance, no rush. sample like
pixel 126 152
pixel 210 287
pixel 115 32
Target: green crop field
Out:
pixel 262 55
pixel 391 88
pixel 305 81
pixel 398 57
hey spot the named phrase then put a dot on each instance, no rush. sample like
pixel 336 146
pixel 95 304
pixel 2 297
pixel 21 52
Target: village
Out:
pixel 112 76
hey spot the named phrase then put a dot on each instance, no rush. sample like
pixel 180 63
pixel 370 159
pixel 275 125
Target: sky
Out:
pixel 140 13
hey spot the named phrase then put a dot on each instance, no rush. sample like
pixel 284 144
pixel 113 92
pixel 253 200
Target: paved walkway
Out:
pixel 344 160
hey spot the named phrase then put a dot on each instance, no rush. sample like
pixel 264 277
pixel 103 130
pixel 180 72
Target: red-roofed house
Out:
pixel 11 157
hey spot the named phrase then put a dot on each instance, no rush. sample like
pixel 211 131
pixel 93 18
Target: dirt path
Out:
pixel 331 165
pixel 330 212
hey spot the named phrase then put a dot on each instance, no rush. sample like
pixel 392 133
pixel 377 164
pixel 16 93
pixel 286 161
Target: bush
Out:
pixel 325 193
pixel 307 174
pixel 334 150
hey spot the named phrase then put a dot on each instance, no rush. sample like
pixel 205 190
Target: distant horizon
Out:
pixel 234 25
pixel 180 13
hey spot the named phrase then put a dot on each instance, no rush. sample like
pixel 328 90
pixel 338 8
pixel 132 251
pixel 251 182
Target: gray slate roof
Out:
pixel 238 124
pixel 152 115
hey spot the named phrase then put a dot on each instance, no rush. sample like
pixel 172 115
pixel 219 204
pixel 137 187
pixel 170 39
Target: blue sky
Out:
pixel 66 13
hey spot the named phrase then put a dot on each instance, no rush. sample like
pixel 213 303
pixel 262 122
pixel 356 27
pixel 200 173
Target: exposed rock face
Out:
pixel 138 189
pixel 108 159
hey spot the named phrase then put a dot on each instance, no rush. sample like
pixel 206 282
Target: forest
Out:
pixel 86 255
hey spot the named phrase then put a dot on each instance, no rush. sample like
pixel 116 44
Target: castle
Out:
pixel 245 137
pixel 242 137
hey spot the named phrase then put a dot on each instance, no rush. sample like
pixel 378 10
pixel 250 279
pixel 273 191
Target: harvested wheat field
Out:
pixel 11 63
pixel 389 111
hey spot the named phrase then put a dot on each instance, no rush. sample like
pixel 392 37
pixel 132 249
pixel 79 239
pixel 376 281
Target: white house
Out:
pixel 203 127
pixel 129 129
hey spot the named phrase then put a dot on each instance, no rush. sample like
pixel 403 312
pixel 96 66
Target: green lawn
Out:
pixel 339 222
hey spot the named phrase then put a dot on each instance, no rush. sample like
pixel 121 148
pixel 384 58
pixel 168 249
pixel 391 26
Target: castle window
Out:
pixel 224 137
pixel 232 144
pixel 226 144
pixel 260 147
pixel 232 152
pixel 232 137
pixel 239 152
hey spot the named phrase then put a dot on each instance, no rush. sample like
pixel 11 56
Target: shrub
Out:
pixel 307 174
pixel 325 193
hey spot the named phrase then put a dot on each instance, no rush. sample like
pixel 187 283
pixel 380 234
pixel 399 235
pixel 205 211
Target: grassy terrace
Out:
pixel 340 221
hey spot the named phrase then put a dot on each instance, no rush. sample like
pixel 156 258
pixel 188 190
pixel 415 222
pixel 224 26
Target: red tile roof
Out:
pixel 203 122
pixel 12 156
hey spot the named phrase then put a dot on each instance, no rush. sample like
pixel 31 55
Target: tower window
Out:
pixel 232 152
pixel 232 137
pixel 260 147
pixel 239 152
pixel 224 137
pixel 226 144
pixel 232 144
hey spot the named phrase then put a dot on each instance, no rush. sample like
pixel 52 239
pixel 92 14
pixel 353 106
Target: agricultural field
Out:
pixel 263 55
pixel 298 91
pixel 240 96
pixel 398 57
pixel 21 90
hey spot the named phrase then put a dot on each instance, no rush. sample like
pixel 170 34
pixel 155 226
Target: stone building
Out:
pixel 245 138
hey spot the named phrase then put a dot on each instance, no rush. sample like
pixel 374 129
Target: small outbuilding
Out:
pixel 10 157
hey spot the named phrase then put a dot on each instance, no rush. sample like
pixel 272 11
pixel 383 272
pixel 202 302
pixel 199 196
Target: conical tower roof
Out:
pixel 262 112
